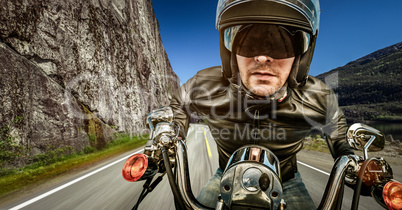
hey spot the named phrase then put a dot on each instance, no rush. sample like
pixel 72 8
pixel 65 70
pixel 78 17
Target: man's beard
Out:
pixel 270 87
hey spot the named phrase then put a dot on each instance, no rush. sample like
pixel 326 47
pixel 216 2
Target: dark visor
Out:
pixel 262 39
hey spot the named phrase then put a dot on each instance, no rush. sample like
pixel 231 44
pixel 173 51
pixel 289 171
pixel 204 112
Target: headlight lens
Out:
pixel 250 179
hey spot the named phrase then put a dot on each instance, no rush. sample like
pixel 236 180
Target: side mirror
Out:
pixel 366 138
pixel 161 114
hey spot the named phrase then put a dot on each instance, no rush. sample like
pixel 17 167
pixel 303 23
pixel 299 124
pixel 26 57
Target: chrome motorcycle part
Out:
pixel 219 204
pixel 256 171
pixel 165 128
pixel 366 138
pixel 377 171
pixel 333 192
pixel 183 178
pixel 252 179
pixel 283 205
pixel 164 134
pixel 162 114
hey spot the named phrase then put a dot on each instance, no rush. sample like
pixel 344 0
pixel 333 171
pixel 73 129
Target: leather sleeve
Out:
pixel 180 104
pixel 335 128
pixel 185 102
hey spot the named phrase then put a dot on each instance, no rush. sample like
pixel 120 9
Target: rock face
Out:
pixel 74 72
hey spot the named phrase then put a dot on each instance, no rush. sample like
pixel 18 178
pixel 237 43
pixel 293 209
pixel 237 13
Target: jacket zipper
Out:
pixel 256 126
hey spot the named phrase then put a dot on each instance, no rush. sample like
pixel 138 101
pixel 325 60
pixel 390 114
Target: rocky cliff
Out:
pixel 74 72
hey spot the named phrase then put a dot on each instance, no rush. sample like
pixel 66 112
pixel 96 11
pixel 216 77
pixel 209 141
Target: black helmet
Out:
pixel 300 16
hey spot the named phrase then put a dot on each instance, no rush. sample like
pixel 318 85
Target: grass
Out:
pixel 18 179
pixel 315 143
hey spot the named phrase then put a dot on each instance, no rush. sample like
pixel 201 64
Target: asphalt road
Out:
pixel 316 181
pixel 102 187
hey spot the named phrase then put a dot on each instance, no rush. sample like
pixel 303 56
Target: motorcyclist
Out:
pixel 262 93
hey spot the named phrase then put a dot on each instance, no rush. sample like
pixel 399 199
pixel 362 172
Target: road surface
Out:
pixel 103 187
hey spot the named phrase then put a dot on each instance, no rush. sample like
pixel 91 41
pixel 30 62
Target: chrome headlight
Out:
pixel 252 179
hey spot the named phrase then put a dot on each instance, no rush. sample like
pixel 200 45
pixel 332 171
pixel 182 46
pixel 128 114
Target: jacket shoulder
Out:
pixel 213 72
pixel 208 78
pixel 208 81
pixel 316 85
pixel 312 89
pixel 314 93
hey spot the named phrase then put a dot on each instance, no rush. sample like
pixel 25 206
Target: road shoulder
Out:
pixel 324 161
pixel 45 185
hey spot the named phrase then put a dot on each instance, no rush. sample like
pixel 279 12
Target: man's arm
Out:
pixel 180 104
pixel 336 127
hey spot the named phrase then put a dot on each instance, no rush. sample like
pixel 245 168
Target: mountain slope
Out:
pixel 370 88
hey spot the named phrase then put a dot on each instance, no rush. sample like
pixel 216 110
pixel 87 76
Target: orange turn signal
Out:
pixel 392 194
pixel 135 167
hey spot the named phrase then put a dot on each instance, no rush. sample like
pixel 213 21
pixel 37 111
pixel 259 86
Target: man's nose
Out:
pixel 263 58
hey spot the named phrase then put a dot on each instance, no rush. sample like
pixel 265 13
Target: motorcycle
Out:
pixel 252 177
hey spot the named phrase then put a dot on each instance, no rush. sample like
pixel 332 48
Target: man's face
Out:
pixel 263 75
pixel 265 56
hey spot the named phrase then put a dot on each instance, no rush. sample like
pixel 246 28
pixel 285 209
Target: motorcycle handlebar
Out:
pixel 334 188
pixel 183 178
pixel 178 199
pixel 330 199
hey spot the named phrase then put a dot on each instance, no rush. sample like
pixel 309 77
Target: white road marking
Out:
pixel 316 169
pixel 33 200
pixel 22 205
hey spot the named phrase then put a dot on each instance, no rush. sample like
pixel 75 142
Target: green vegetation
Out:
pixel 59 161
pixel 10 150
pixel 93 127
pixel 370 87
pixel 315 143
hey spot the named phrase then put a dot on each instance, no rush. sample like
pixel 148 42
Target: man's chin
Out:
pixel 263 91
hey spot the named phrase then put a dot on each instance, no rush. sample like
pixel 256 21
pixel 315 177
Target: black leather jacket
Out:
pixel 236 118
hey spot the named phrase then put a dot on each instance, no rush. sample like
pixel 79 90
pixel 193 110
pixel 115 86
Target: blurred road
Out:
pixel 316 182
pixel 103 187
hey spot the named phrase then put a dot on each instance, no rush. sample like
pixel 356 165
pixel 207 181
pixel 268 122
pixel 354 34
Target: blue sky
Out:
pixel 349 29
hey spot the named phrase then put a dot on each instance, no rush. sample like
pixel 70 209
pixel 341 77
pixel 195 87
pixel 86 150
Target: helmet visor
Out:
pixel 276 41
